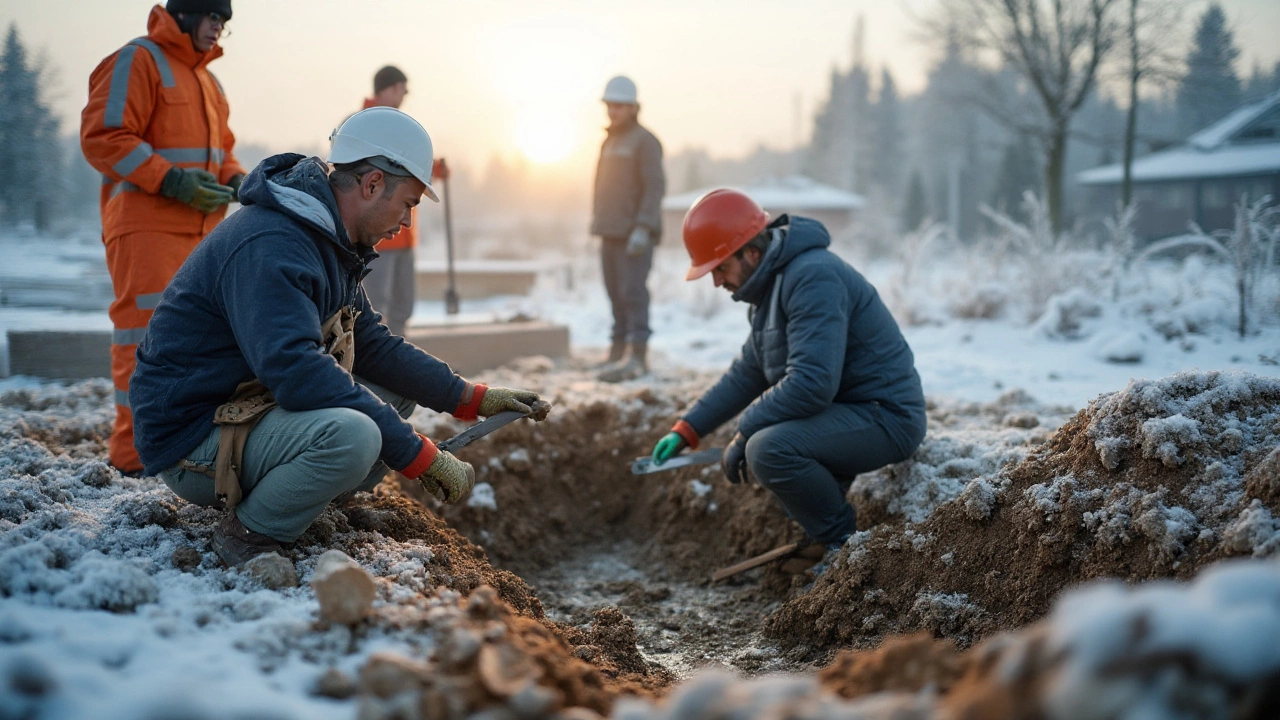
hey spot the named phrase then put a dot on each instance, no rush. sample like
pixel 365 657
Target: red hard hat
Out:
pixel 718 224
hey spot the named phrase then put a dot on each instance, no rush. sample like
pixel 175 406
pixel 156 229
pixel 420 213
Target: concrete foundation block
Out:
pixel 471 348
pixel 60 354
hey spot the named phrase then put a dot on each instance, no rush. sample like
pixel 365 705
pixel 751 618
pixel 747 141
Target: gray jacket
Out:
pixel 629 184
pixel 819 335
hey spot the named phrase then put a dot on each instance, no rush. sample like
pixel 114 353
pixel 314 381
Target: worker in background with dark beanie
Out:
pixel 391 282
pixel 156 128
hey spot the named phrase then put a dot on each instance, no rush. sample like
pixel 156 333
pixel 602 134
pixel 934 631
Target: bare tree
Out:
pixel 1147 30
pixel 1056 46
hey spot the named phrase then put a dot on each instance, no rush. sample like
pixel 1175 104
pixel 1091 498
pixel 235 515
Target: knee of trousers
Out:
pixel 772 460
pixel 353 441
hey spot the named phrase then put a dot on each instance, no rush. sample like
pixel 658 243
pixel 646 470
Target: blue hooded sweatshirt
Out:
pixel 248 303
pixel 819 335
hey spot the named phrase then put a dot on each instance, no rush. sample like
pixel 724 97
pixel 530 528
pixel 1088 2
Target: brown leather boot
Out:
pixel 633 367
pixel 616 352
pixel 235 544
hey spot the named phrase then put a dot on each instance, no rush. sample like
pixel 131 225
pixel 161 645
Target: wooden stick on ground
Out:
pixel 755 562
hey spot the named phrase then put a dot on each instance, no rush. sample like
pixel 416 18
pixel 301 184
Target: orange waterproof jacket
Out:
pixel 407 237
pixel 152 105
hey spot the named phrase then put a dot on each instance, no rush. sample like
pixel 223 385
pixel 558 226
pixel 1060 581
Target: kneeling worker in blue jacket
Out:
pixel 266 383
pixel 826 383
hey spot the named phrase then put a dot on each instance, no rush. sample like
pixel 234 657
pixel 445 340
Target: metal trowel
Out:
pixel 646 465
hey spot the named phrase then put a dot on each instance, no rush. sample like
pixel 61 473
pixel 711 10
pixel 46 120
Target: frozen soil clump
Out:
pixel 1154 481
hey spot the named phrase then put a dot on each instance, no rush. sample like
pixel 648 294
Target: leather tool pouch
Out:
pixel 252 401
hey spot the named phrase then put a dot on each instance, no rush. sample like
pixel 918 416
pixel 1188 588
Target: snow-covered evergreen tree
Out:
pixel 30 157
pixel 886 150
pixel 1211 88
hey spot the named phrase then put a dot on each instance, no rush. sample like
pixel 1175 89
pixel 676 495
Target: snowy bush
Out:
pixel 1249 249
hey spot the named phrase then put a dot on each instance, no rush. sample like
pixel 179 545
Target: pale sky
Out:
pixel 525 76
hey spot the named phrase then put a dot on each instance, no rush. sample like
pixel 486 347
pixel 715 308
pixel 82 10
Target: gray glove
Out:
pixel 638 243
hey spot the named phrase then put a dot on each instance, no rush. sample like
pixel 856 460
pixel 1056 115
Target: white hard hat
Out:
pixel 389 133
pixel 620 90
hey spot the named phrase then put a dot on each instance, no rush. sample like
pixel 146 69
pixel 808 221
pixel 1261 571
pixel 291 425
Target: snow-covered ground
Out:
pixel 215 645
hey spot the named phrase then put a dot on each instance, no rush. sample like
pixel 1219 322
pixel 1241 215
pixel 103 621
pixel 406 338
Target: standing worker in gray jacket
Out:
pixel 627 215
pixel 826 383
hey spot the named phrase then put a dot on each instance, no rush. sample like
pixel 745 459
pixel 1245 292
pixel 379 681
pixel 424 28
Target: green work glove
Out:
pixel 497 399
pixel 667 447
pixel 234 183
pixel 450 474
pixel 197 188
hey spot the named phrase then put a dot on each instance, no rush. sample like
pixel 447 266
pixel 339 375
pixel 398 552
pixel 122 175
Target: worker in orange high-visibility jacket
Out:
pixel 156 128
pixel 391 282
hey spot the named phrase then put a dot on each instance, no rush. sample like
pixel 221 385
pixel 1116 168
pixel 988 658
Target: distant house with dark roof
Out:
pixel 793 194
pixel 1201 180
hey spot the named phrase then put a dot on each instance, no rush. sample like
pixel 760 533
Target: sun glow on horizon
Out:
pixel 544 136
pixel 549 73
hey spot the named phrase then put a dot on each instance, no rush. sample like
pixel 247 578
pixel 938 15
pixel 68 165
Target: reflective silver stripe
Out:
pixel 106 179
pixel 128 336
pixel 217 155
pixel 187 155
pixel 122 398
pixel 124 186
pixel 119 92
pixel 162 62
pixel 133 160
pixel 148 301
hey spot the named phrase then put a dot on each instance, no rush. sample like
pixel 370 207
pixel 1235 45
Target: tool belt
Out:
pixel 252 401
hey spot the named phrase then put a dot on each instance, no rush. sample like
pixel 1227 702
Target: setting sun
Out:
pixel 544 137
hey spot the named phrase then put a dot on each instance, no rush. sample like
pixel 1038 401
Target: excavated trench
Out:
pixel 557 505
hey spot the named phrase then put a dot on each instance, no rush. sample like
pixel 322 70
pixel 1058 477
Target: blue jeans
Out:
pixel 295 464
pixel 809 463
pixel 625 278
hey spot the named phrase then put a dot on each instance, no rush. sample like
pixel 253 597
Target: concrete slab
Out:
pixel 468 348
pixel 477 279
pixel 472 348
pixel 60 354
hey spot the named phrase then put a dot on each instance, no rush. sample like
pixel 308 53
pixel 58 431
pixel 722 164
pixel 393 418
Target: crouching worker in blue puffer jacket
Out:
pixel 826 383
pixel 266 383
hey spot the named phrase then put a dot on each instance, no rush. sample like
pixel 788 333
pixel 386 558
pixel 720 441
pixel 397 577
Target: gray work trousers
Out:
pixel 295 464
pixel 809 463
pixel 390 287
pixel 625 278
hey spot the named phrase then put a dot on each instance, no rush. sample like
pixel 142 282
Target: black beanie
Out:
pixel 199 7
pixel 386 77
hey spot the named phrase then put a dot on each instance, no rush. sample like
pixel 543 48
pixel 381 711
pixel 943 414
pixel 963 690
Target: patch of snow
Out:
pixel 482 497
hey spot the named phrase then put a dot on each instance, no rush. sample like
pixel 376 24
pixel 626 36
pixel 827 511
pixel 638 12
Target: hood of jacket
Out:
pixel 792 237
pixel 163 30
pixel 298 186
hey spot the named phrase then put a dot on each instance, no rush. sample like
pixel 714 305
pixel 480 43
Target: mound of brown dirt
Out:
pixel 454 562
pixel 1145 483
pixel 486 657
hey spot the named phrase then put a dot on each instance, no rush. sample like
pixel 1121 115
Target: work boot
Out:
pixel 803 559
pixel 235 544
pixel 616 353
pixel 633 367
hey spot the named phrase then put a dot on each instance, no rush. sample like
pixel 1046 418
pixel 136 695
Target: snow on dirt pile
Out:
pixel 1165 649
pixel 1154 481
pixel 112 605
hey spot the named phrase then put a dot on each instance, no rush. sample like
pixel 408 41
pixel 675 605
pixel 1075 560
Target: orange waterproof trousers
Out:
pixel 141 265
